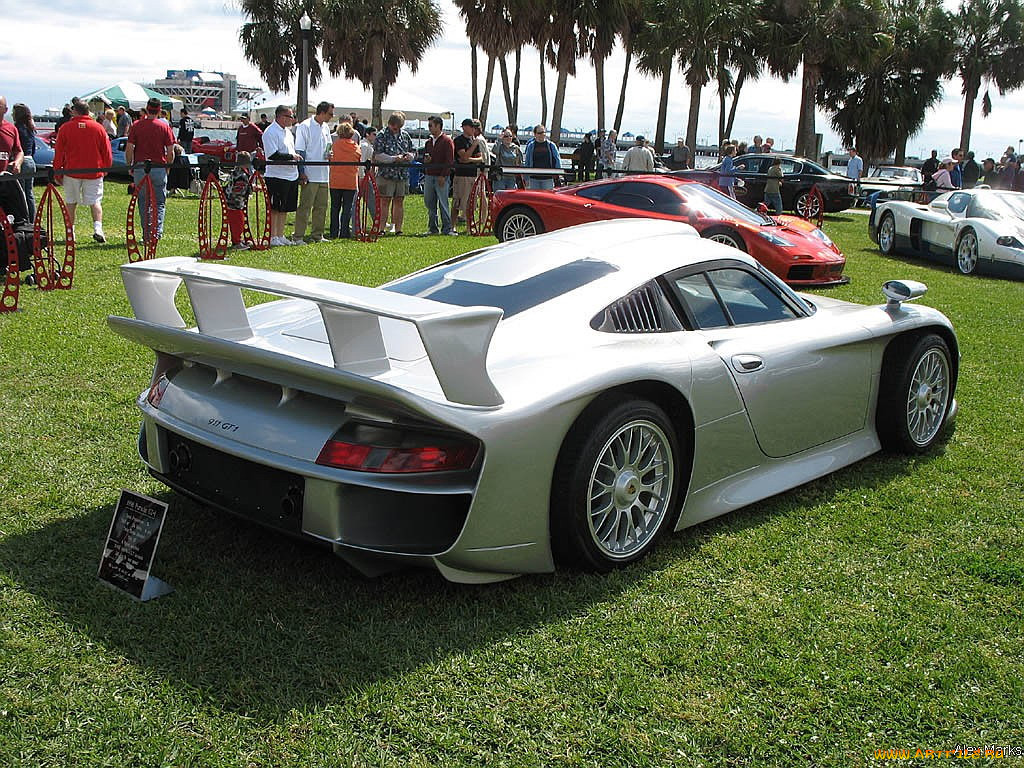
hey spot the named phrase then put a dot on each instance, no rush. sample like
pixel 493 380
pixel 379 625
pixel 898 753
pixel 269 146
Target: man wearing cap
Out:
pixel 151 139
pixel 638 159
pixel 467 152
pixel 83 143
pixel 248 138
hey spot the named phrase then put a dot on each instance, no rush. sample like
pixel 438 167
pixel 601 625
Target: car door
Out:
pixel 804 377
pixel 938 228
pixel 752 170
pixel 582 206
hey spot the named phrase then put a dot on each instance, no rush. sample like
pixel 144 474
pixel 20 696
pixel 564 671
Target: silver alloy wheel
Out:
pixel 630 488
pixel 967 252
pixel 928 396
pixel 518 225
pixel 808 206
pixel 886 233
pixel 725 239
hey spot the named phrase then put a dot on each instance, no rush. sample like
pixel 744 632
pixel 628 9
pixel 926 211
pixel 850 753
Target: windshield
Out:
pixel 894 172
pixel 997 205
pixel 714 205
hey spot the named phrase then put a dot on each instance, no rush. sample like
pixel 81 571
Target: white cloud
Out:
pixel 199 34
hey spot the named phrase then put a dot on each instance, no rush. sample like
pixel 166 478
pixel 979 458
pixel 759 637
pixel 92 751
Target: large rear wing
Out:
pixel 456 339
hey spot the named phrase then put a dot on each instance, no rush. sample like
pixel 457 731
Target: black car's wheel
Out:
pixel 887 234
pixel 615 485
pixel 967 252
pixel 725 236
pixel 915 393
pixel 517 223
pixel 807 206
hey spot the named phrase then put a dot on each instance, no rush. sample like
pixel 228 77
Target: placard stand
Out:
pixel 131 546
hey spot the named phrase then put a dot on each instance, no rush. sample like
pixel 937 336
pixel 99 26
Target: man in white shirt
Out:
pixel 313 143
pixel 282 180
pixel 638 158
pixel 854 170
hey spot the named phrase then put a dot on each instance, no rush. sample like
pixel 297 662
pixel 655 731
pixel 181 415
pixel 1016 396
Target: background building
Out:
pixel 198 89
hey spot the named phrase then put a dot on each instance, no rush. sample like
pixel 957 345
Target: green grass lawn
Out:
pixel 876 608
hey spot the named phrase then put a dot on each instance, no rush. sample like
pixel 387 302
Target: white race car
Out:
pixel 975 229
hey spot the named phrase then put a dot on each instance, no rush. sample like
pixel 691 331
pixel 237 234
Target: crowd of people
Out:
pixel 960 170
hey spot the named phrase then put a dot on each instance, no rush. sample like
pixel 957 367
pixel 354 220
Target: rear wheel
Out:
pixel 915 393
pixel 808 206
pixel 725 236
pixel 887 234
pixel 967 252
pixel 615 485
pixel 517 223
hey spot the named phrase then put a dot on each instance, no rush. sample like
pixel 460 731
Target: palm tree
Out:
pixel 272 41
pixel 739 51
pixel 655 44
pixel 813 35
pixel 627 14
pixel 635 23
pixel 492 26
pixel 987 49
pixel 879 108
pixel 361 42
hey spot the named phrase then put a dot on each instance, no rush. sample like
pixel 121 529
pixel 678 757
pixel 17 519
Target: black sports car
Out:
pixel 799 175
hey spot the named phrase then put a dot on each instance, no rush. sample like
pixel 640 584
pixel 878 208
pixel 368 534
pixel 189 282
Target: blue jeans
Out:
pixel 159 178
pixel 28 165
pixel 504 182
pixel 547 183
pixel 435 195
pixel 774 201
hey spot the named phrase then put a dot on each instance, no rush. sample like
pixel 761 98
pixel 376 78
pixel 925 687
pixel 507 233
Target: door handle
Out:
pixel 747 363
pixel 588 205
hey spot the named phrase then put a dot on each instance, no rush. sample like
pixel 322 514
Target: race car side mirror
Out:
pixel 898 291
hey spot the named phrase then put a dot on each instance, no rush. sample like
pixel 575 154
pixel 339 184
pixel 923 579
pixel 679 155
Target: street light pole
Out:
pixel 302 107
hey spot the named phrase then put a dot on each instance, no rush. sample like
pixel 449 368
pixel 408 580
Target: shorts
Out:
pixel 461 191
pixel 392 187
pixel 83 191
pixel 284 194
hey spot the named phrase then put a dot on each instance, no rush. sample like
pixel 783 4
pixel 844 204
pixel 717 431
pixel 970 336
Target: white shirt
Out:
pixel 638 158
pixel 314 139
pixel 277 139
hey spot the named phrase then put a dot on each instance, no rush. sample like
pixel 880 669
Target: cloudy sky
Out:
pixel 63 56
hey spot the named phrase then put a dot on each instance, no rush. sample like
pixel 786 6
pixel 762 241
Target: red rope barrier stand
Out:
pixel 143 189
pixel 813 207
pixel 478 217
pixel 12 277
pixel 368 214
pixel 212 206
pixel 51 271
pixel 258 214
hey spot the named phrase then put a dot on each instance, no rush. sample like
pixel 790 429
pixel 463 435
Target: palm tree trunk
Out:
pixel 722 133
pixel 599 75
pixel 377 86
pixel 901 151
pixel 486 103
pixel 515 86
pixel 559 105
pixel 970 96
pixel 659 134
pixel 735 100
pixel 506 90
pixel 806 143
pixel 691 121
pixel 622 92
pixel 475 102
pixel 543 92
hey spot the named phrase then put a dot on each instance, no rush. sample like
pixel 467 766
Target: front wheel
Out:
pixel 967 252
pixel 915 393
pixel 615 486
pixel 518 223
pixel 725 237
pixel 887 234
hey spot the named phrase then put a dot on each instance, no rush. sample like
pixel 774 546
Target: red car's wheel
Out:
pixel 517 223
pixel 725 236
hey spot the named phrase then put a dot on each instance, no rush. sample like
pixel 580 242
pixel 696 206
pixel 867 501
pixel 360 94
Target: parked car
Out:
pixel 977 230
pixel 551 400
pixel 118 165
pixel 794 249
pixel 892 182
pixel 799 175
pixel 43 156
pixel 222 149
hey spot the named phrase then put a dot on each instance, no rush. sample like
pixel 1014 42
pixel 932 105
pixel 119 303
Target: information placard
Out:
pixel 131 545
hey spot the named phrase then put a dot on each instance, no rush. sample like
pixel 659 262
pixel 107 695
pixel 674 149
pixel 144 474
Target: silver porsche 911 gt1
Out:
pixel 567 398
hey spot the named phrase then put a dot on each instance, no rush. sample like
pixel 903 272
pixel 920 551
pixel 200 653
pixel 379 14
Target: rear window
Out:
pixel 442 284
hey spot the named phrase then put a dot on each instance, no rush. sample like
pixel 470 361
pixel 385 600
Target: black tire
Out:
pixel 887 242
pixel 909 422
pixel 603 539
pixel 516 223
pixel 967 252
pixel 725 236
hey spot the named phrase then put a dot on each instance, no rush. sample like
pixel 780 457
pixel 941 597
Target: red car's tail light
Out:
pixel 380 449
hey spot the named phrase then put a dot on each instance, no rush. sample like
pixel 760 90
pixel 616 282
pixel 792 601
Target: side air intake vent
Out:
pixel 642 311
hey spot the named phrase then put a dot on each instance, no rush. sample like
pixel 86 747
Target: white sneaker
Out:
pixel 297 241
pixel 277 241
pixel 98 236
pixel 390 229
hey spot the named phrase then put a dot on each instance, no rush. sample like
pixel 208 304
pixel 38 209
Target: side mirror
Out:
pixel 940 205
pixel 898 291
pixel 762 208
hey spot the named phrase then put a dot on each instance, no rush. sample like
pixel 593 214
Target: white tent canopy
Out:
pixel 347 96
pixel 131 95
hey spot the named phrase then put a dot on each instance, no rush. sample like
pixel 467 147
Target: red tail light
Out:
pixel 374 449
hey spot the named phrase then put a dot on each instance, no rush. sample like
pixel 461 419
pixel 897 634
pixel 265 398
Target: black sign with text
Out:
pixel 131 545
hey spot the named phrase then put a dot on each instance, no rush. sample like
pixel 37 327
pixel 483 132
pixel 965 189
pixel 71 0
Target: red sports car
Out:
pixel 794 249
pixel 219 148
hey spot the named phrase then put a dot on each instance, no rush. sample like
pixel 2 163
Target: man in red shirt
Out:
pixel 83 143
pixel 12 197
pixel 151 139
pixel 249 138
pixel 439 156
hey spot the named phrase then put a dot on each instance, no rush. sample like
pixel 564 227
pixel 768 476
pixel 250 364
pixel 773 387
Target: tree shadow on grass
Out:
pixel 263 624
